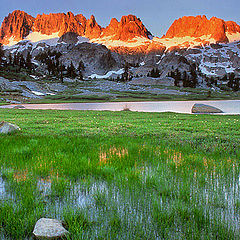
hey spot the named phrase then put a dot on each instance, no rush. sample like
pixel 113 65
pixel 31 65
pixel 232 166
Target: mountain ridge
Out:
pixel 118 34
pixel 212 44
pixel 19 24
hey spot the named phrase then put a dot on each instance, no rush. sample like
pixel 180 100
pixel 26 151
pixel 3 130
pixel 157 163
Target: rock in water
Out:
pixel 6 128
pixel 19 107
pixel 202 108
pixel 47 228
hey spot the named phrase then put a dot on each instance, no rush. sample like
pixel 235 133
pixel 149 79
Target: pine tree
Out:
pixel 71 71
pixel 126 75
pixel 22 62
pixel 15 60
pixel 50 66
pixel 225 78
pixel 10 59
pixel 154 73
pixel 236 83
pixel 231 80
pixel 1 52
pixel 57 65
pixel 61 72
pixel 29 62
pixel 185 79
pixel 81 66
pixel 80 75
pixel 193 82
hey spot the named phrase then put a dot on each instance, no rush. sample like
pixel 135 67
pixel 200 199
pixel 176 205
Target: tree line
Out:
pixel 51 59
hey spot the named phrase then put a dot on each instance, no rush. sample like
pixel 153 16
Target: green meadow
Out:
pixel 121 175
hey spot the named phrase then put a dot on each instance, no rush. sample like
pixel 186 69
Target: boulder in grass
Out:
pixel 6 128
pixel 47 228
pixel 203 108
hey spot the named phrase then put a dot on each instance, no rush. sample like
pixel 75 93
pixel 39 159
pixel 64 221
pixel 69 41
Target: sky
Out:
pixel 157 15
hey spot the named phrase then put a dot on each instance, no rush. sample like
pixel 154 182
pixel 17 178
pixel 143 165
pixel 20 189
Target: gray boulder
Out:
pixel 47 228
pixel 19 107
pixel 202 108
pixel 6 128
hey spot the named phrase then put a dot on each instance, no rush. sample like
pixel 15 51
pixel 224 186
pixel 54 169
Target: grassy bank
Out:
pixel 192 94
pixel 121 175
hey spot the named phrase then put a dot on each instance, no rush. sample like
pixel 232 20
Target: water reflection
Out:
pixel 227 106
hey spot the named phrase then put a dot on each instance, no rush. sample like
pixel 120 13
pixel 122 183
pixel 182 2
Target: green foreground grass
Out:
pixel 121 175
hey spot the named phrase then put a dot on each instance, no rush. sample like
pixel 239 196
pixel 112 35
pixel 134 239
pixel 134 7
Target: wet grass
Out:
pixel 121 175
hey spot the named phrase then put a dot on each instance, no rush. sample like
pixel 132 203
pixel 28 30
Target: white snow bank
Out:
pixel 38 93
pixel 107 75
pixel 34 77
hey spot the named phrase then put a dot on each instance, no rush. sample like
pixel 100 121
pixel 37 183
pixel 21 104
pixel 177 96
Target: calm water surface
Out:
pixel 227 106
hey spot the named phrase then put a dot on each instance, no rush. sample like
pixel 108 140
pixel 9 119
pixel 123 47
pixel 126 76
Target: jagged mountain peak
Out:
pixel 17 24
pixel 200 26
pixel 128 28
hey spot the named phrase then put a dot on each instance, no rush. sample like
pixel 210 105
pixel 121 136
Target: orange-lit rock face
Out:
pixel 93 30
pixel 200 26
pixel 17 24
pixel 142 49
pixel 58 22
pixel 232 27
pixel 128 28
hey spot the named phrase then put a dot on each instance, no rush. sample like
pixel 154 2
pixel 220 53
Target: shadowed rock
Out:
pixel 6 128
pixel 69 38
pixel 47 228
pixel 202 108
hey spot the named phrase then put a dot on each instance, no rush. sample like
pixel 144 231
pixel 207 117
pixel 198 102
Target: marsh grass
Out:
pixel 121 175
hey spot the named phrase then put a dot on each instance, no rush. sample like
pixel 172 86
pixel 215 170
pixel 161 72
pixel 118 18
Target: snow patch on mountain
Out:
pixel 184 42
pixel 233 37
pixel 108 42
pixel 38 93
pixel 181 42
pixel 216 59
pixel 12 42
pixel 107 75
pixel 37 37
